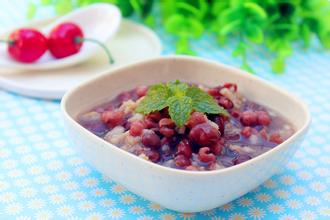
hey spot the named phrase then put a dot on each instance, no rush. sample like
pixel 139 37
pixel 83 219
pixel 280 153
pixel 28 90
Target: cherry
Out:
pixel 26 45
pixel 67 39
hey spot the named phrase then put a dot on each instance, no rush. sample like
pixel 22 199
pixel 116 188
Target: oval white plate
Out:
pixel 132 43
pixel 98 21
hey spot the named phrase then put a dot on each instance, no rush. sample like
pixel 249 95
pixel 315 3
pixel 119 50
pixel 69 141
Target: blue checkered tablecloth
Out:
pixel 42 177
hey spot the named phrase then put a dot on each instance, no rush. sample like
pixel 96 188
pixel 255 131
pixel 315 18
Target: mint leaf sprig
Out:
pixel 181 99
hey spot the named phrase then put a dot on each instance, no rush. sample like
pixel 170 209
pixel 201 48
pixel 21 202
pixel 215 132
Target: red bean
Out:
pixel 166 122
pixel 149 123
pixel 152 155
pixel 213 92
pixel 205 155
pixel 195 119
pixel 230 86
pixel 204 134
pixel 136 128
pixel 141 90
pixel 263 133
pixel 249 118
pixel 217 147
pixel 184 148
pixel 276 138
pixel 151 139
pixel 212 166
pixel 246 131
pixel 124 96
pixel 155 116
pixel 181 161
pixel 167 132
pixel 220 121
pixel 112 118
pixel 225 102
pixel 263 118
pixel 165 113
pixel 192 168
pixel 236 113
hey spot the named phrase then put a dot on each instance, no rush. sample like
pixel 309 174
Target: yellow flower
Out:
pixel 236 217
pixel 256 213
pixel 167 217
pixel 118 189
pixel 127 199
pixel 155 207
pixel 137 210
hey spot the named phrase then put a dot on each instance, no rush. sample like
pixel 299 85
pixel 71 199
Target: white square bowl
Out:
pixel 186 191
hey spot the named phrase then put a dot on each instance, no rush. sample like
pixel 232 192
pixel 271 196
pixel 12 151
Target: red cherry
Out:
pixel 64 41
pixel 67 39
pixel 26 45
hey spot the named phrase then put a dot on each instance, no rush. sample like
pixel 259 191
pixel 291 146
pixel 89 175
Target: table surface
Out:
pixel 42 177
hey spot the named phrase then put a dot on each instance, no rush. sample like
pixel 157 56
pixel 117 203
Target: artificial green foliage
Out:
pixel 277 24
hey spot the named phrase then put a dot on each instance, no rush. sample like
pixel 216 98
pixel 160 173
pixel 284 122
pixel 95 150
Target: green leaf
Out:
pixel 306 34
pixel 63 6
pixel 150 21
pixel 245 66
pixel 46 2
pixel 189 8
pixel 179 109
pixel 174 23
pixel 136 6
pixel 240 49
pixel 177 88
pixel 254 33
pixel 256 10
pixel 221 39
pixel 203 102
pixel 31 10
pixel 278 64
pixel 195 26
pixel 325 38
pixel 231 27
pixel 155 100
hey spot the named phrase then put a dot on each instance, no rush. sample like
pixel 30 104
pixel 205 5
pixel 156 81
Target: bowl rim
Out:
pixel 234 70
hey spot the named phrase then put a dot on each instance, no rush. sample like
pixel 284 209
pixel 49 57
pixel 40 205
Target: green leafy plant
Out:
pixel 277 24
pixel 181 99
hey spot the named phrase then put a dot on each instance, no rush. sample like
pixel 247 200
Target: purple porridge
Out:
pixel 204 142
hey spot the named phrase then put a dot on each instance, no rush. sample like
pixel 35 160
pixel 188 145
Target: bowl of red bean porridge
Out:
pixel 219 132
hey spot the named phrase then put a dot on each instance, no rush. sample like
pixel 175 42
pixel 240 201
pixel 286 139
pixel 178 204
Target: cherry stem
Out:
pixel 6 41
pixel 104 47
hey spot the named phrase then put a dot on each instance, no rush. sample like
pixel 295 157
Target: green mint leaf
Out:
pixel 155 99
pixel 177 88
pixel 179 109
pixel 203 102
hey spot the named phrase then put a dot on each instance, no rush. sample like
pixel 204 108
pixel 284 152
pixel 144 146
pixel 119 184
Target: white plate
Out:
pixel 132 43
pixel 98 21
